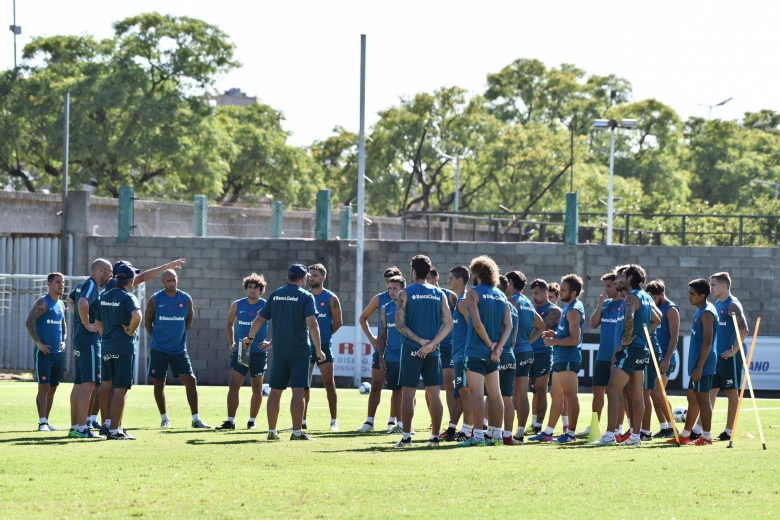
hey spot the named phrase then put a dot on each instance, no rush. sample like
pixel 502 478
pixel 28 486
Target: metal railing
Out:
pixel 629 228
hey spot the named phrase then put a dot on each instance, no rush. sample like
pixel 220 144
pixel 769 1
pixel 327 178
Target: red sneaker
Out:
pixel 701 441
pixel 683 440
pixel 565 429
pixel 448 435
pixel 621 437
pixel 508 441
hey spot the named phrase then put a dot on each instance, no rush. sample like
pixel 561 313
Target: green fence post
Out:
pixel 200 208
pixel 490 227
pixel 323 215
pixel 628 231
pixel 571 229
pixel 125 215
pixel 277 219
pixel 740 231
pixel 682 231
pixel 345 223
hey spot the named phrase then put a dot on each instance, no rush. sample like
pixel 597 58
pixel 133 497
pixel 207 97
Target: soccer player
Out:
pixel 567 359
pixel 169 314
pixel 240 317
pixel 490 327
pixel 458 280
pixel 554 293
pixel 47 328
pixel 728 369
pixel 117 320
pixel 423 317
pixel 666 334
pixel 329 320
pixel 540 368
pixel 702 362
pixel 377 374
pixel 292 310
pixel 507 368
pixel 630 360
pixel 86 348
pixel 606 317
pixel 447 364
pixel 390 342
pixel 529 329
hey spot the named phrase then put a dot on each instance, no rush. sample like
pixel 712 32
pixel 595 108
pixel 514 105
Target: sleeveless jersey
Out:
pixel 384 299
pixel 510 345
pixel 48 326
pixel 697 338
pixel 492 306
pixel 525 323
pixel 393 346
pixel 169 333
pixel 324 315
pixel 609 320
pixel 81 335
pixel 727 335
pixel 245 315
pixel 460 330
pixel 569 354
pixel 538 346
pixel 447 341
pixel 662 332
pixel 642 316
pixel 423 313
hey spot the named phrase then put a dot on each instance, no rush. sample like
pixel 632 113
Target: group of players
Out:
pixel 487 345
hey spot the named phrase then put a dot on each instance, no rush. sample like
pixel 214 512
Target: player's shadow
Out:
pixel 200 442
pixel 35 441
pixel 596 446
pixel 334 435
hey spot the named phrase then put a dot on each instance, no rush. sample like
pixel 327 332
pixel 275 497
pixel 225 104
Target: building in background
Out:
pixel 234 96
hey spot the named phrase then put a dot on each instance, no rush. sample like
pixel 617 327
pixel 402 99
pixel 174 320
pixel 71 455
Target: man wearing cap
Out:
pixel 117 320
pixel 293 311
pixel 168 317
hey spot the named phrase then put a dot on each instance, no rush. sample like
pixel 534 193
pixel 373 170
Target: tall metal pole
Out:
pixel 15 34
pixel 360 211
pixel 610 207
pixel 457 186
pixel 65 150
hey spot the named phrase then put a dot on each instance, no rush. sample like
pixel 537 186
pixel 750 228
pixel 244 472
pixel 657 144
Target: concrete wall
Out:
pixel 215 267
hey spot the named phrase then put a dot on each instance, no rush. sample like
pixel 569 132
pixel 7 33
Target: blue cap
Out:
pixel 124 269
pixel 298 271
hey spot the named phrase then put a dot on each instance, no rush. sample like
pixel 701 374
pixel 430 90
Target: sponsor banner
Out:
pixel 345 354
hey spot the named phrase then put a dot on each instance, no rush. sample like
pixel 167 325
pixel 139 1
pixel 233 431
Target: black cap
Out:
pixel 298 271
pixel 124 269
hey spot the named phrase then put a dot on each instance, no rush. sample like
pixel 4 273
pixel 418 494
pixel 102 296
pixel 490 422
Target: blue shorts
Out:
pixel 651 376
pixel 567 366
pixel 412 367
pixel 391 377
pixel 258 362
pixel 632 359
pixel 327 349
pixel 88 364
pixel 460 377
pixel 119 369
pixel 672 363
pixel 602 370
pixel 524 361
pixel 446 356
pixel 295 373
pixel 542 365
pixel 507 369
pixel 728 373
pixel 703 385
pixel 480 366
pixel 375 360
pixel 48 368
pixel 159 362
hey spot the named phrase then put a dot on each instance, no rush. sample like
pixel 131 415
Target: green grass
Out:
pixel 209 474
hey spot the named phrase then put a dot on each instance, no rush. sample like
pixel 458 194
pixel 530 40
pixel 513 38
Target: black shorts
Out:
pixel 480 366
pixel 119 369
pixel 524 361
pixel 507 369
pixel 703 385
pixel 258 362
pixel 48 368
pixel 295 373
pixel 88 364
pixel 601 372
pixel 567 366
pixel 446 356
pixel 542 365
pixel 460 378
pixel 728 373
pixel 391 377
pixel 374 360
pixel 413 367
pixel 327 349
pixel 159 362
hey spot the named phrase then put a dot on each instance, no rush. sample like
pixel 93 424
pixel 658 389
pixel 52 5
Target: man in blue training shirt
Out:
pixel 168 317
pixel 292 310
pixel 47 328
pixel 459 280
pixel 447 365
pixel 240 317
pixel 329 319
pixel 424 319
pixel 567 359
pixel 490 326
pixel 390 344
pixel 667 334
pixel 542 364
pixel 702 363
pixel 118 317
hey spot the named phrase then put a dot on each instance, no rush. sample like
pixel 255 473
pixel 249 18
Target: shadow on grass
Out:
pixel 588 446
pixel 199 442
pixel 38 440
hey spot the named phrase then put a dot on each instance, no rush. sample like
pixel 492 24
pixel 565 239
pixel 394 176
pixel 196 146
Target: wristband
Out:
pixel 250 339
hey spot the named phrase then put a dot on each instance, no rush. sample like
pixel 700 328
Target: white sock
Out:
pixel 370 420
pixel 92 418
pixel 533 420
pixel 273 431
pixel 303 422
pixel 454 426
pixel 629 424
pixel 565 419
pixel 728 431
pixel 485 424
pixel 82 427
pixel 74 426
pixel 507 434
pixel 251 419
pixel 646 432
pixel 297 433
pixel 497 433
pixel 697 429
pixel 609 435
pixel 107 424
pixel 43 420
pixel 333 421
pixel 196 417
pixel 401 425
pixel 479 434
pixel 489 431
pixel 164 417
pixel 634 436
pixel 548 430
pixel 391 420
pixel 685 433
pixel 231 419
pixel 664 425
pixel 114 432
pixel 707 435
pixel 520 431
pixel 467 429
pixel 620 429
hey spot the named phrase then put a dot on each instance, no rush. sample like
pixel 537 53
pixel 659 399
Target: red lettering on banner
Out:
pixel 367 349
pixel 346 348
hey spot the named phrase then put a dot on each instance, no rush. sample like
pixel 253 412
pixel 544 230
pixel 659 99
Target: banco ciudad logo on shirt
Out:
pixel 286 298
pixel 425 297
pixel 109 304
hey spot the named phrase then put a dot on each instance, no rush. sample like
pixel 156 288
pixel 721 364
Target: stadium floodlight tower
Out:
pixel 612 125
pixel 358 367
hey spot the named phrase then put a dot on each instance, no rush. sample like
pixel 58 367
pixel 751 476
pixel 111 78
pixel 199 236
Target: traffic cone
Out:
pixel 594 434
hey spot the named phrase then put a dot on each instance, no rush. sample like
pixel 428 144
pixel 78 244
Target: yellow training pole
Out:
pixel 742 390
pixel 747 377
pixel 661 382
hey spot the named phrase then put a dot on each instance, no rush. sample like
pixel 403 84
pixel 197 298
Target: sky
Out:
pixel 303 57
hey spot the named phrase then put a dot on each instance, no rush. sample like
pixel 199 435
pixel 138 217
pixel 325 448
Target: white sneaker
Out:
pixel 43 427
pixel 586 431
pixel 52 428
pixel 334 426
pixel 165 423
pixel 629 442
pixel 605 441
pixel 367 427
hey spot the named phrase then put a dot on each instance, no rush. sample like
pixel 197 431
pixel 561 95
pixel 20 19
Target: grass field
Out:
pixel 208 474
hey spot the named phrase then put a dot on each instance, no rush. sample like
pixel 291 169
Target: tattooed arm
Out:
pixel 553 318
pixel 38 310
pixel 400 320
pixel 736 310
pixel 631 303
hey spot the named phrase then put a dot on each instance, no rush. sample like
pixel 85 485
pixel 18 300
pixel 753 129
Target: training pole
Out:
pixel 742 389
pixel 360 211
pixel 661 382
pixel 746 364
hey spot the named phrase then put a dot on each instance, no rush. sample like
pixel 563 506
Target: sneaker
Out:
pixel 537 430
pixel 273 437
pixel 334 427
pixel 460 437
pixel 394 429
pixel 52 428
pixel 227 425
pixel 701 441
pixel 104 431
pixel 518 441
pixel 645 436
pixel 695 436
pixel 586 431
pixel 250 425
pixel 565 438
pixel 127 436
pixel 43 427
pixel 542 437
pixel 75 434
pixel 432 443
pixel 631 442
pixel 683 440
pixel 391 427
pixel 661 434
pixel 302 437
pixel 722 437
pixel 412 432
pixel 472 442
pixel 165 423
pixel 493 442
pixel 448 435
pixel 93 424
pixel 565 429
pixel 200 424
pixel 669 434
pixel 403 444
pixel 367 427
pixel 604 441
pixel 508 441
pixel 621 437
pixel 119 436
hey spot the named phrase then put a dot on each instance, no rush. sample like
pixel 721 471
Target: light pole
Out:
pixel 16 29
pixel 457 176
pixel 769 183
pixel 611 125
pixel 716 105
